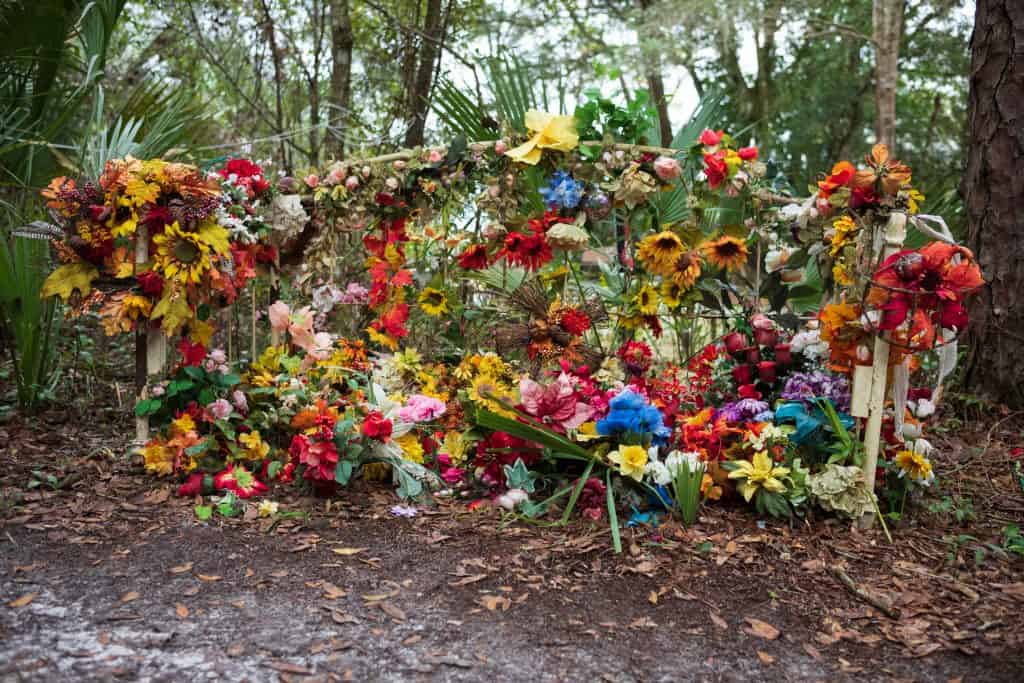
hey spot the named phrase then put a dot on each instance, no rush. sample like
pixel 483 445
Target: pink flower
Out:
pixel 218 356
pixel 435 156
pixel 421 408
pixel 312 180
pixel 667 168
pixel 319 457
pixel 710 137
pixel 280 316
pixel 555 404
pixel 336 176
pixel 351 183
pixel 500 147
pixel 238 398
pixel 450 474
pixel 220 409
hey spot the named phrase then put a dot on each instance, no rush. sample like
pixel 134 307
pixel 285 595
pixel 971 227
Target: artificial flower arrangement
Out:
pixel 203 235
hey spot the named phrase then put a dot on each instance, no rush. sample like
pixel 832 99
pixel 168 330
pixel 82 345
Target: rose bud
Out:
pixel 766 371
pixel 783 354
pixel 500 147
pixel 753 354
pixel 743 374
pixel 766 337
pixel 735 342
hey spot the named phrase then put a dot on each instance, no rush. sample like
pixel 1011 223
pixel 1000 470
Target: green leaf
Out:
pixel 343 471
pixel 274 467
pixel 204 512
pixel 408 485
pixel 546 437
pixel 517 476
pixel 199 448
pixel 147 406
pixel 613 516
pixel 577 490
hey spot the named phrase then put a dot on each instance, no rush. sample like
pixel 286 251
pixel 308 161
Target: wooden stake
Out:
pixel 895 233
pixel 150 344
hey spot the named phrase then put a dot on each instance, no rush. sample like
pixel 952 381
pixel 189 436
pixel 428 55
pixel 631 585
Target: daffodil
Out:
pixel 548 131
pixel 761 473
pixel 631 461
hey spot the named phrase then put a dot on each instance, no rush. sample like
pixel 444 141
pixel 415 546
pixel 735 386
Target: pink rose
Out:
pixel 279 316
pixel 435 156
pixel 220 409
pixel 351 183
pixel 312 180
pixel 667 168
pixel 500 147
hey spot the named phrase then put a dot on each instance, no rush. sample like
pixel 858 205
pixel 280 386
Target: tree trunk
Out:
pixel 429 52
pixel 993 192
pixel 887 20
pixel 652 68
pixel 342 42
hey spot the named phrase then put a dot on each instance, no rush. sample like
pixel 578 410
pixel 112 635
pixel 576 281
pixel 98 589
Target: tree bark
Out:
pixel 429 52
pixel 342 42
pixel 993 192
pixel 652 69
pixel 887 20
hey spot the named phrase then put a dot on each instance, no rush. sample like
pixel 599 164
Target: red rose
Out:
pixel 766 371
pixel 743 374
pixel 711 137
pixel 783 354
pixel 376 426
pixel 747 153
pixel 735 341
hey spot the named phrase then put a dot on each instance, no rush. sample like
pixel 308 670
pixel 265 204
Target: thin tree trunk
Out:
pixel 342 42
pixel 429 52
pixel 887 20
pixel 993 191
pixel 277 61
pixel 655 80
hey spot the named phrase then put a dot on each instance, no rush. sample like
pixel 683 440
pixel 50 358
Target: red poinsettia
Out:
pixel 240 481
pixel 319 457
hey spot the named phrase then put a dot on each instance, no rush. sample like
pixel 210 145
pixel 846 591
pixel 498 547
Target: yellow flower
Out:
pixel 492 395
pixel 841 274
pixel 672 294
pixel 433 301
pixel 267 508
pixel 158 458
pixel 381 338
pixel 660 251
pixel 125 227
pixel 913 200
pixel 548 132
pixel 726 252
pixel 646 300
pixel 412 449
pixel 456 445
pixel 184 424
pixel 761 473
pixel 686 270
pixel 184 255
pixel 631 460
pixel 255 447
pixel 915 465
pixel 844 227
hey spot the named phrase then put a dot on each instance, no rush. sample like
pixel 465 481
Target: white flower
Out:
pixel 287 214
pixel 921 408
pixel 513 497
pixel 267 508
pixel 776 259
pixel 675 461
pixel 656 470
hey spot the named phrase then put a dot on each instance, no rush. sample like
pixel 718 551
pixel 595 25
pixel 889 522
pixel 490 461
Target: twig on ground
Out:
pixel 861 594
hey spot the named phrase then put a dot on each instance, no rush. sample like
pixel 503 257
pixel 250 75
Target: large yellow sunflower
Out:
pixel 726 252
pixel 686 270
pixel 646 300
pixel 184 255
pixel 672 294
pixel 659 251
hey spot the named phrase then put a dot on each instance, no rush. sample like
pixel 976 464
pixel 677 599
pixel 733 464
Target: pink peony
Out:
pixel 556 404
pixel 421 408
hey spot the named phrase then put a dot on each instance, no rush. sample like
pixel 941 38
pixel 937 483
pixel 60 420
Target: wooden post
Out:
pixel 895 233
pixel 150 345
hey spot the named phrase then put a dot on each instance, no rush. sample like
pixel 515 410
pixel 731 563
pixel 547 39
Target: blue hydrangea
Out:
pixel 630 412
pixel 562 191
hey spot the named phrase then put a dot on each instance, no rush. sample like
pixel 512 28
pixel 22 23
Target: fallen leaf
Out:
pixel 392 611
pixel 765 657
pixel 348 551
pixel 289 668
pixel 493 602
pixel 181 610
pixel 238 604
pixel 181 568
pixel 332 592
pixel 130 596
pixel 653 597
pixel 412 640
pixel 468 580
pixel 718 621
pixel 23 600
pixel 813 652
pixel 208 577
pixel 761 629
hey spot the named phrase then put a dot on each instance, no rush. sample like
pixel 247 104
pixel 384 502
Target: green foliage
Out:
pixel 27 322
pixel 599 118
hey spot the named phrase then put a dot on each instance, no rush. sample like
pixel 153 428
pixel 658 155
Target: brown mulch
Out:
pixel 104 575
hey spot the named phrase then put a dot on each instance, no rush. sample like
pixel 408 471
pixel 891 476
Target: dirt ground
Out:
pixel 106 576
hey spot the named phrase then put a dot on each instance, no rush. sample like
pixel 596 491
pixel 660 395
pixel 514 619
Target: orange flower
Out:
pixel 726 252
pixel 890 172
pixel 842 174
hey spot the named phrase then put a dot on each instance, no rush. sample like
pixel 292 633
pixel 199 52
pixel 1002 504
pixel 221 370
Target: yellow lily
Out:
pixel 758 474
pixel 549 131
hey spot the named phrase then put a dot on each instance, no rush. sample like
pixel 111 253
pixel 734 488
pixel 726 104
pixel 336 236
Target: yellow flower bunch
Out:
pixel 761 473
pixel 412 450
pixel 548 131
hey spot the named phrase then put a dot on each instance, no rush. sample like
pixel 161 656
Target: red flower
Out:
pixel 747 153
pixel 376 426
pixel 157 217
pixel 783 354
pixel 319 457
pixel 766 371
pixel 575 322
pixel 193 486
pixel 748 391
pixel 239 480
pixel 711 137
pixel 191 354
pixel 735 342
pixel 715 169
pixel 531 251
pixel 474 257
pixel 743 374
pixel 151 283
pixel 636 356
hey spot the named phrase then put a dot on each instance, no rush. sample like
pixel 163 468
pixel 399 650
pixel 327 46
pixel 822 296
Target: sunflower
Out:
pixel 686 269
pixel 490 394
pixel 726 252
pixel 433 301
pixel 646 300
pixel 659 251
pixel 184 255
pixel 672 293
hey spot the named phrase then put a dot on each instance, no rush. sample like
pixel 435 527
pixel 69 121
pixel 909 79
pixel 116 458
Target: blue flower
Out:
pixel 562 191
pixel 630 412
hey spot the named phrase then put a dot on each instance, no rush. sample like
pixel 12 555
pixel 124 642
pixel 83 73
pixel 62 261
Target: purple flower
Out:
pixel 743 410
pixel 404 511
pixel 807 386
